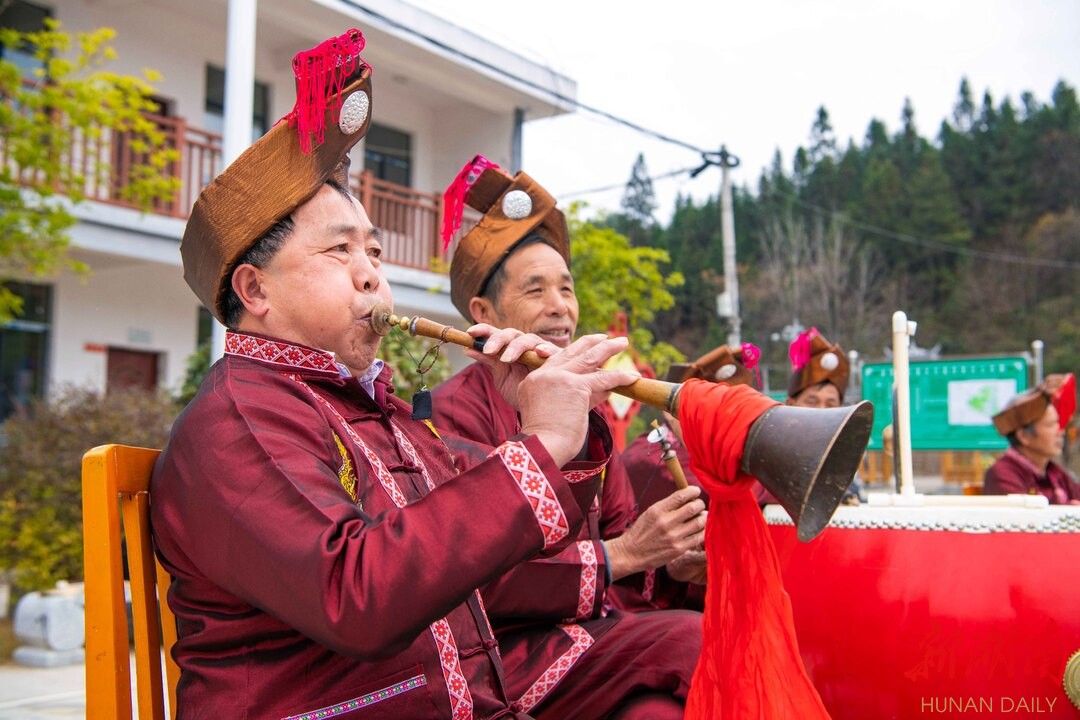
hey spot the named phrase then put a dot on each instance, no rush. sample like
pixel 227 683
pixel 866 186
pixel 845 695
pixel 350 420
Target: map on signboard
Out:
pixel 975 402
pixel 620 403
pixel 952 400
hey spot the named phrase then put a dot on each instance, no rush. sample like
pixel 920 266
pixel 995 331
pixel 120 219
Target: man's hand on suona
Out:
pixel 665 531
pixel 689 567
pixel 554 400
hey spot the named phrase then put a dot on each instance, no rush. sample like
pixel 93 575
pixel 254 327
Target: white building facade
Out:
pixel 132 321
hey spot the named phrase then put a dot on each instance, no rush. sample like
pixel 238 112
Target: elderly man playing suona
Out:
pixel 511 271
pixel 326 549
pixel 1034 423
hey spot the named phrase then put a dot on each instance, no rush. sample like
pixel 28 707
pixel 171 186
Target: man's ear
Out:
pixel 247 283
pixel 483 311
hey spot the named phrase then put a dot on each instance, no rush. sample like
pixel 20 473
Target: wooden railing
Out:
pixel 410 219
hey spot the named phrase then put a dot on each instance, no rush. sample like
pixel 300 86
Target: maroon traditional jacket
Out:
pixel 1014 473
pixel 653 482
pixel 325 549
pixel 469 405
pixel 570 586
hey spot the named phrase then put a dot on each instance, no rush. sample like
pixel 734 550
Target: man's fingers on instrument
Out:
pixel 519 345
pixel 603 350
pixel 695 541
pixel 681 497
pixel 694 508
pixel 482 330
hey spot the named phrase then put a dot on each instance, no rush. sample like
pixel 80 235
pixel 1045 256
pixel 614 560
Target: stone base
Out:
pixel 45 658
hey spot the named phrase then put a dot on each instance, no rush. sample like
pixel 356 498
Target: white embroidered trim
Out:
pixel 449 657
pixel 558 669
pixel 534 485
pixel 587 592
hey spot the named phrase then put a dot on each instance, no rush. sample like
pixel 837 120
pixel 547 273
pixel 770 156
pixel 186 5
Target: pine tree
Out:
pixel 639 200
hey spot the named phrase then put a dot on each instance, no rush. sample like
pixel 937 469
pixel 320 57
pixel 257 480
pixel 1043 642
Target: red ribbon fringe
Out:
pixel 320 77
pixel 456 194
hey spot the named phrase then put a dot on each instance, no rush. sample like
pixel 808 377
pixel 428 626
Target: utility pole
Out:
pixel 239 103
pixel 727 233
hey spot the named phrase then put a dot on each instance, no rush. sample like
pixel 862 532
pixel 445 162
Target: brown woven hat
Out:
pixel 514 208
pixel 283 169
pixel 815 360
pixel 719 365
pixel 1028 407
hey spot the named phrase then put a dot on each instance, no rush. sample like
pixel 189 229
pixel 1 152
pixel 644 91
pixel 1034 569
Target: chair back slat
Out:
pixel 135 510
pixel 116 485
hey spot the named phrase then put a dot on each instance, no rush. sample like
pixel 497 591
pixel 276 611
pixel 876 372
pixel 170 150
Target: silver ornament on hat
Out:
pixel 517 205
pixel 724 372
pixel 354 112
pixel 829 361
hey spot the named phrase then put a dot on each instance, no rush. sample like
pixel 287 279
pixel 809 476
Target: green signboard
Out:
pixel 952 401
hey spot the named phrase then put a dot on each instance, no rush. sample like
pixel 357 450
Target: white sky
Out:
pixel 752 74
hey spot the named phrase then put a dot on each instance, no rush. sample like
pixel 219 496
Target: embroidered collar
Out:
pixel 281 355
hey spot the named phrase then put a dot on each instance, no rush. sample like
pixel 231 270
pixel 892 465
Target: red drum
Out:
pixel 958 611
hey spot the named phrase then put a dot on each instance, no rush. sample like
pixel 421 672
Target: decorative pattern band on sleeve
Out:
pixel 534 485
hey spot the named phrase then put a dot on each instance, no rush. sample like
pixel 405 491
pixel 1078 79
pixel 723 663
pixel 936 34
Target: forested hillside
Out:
pixel 972 229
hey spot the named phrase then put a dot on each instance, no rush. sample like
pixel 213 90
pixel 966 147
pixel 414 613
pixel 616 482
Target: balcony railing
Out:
pixel 410 219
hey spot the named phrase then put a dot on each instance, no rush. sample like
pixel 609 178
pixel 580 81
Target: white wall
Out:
pixel 124 304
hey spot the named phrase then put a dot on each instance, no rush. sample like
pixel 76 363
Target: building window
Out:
pixel 214 119
pixel 388 154
pixel 24 346
pixel 24 17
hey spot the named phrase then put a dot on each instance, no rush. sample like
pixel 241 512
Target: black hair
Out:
pixel 260 254
pixel 1014 440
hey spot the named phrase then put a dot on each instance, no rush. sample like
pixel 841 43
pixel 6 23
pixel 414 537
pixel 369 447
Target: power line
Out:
pixel 606 188
pixel 576 104
pixel 936 244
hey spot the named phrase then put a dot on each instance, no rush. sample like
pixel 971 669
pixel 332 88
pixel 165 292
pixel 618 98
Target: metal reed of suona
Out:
pixel 656 393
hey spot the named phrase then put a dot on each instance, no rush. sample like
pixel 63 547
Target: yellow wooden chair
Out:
pixel 115 484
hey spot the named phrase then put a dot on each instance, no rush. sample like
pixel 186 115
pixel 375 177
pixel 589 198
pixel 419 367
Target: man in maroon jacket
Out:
pixel 511 270
pixel 325 549
pixel 1036 434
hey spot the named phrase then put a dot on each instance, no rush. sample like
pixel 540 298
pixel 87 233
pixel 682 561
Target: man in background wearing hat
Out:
pixel 512 270
pixel 651 462
pixel 819 372
pixel 819 379
pixel 323 546
pixel 1034 423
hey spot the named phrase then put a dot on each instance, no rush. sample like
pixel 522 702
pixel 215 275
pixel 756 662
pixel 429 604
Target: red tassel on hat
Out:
pixel 751 354
pixel 456 194
pixel 1064 400
pixel 320 76
pixel 800 349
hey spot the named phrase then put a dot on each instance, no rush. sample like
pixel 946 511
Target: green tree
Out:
pixel 71 99
pixel 639 199
pixel 611 275
pixel 40 474
pixel 407 355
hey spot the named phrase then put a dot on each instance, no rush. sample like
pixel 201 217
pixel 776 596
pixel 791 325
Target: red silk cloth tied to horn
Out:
pixel 750 668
